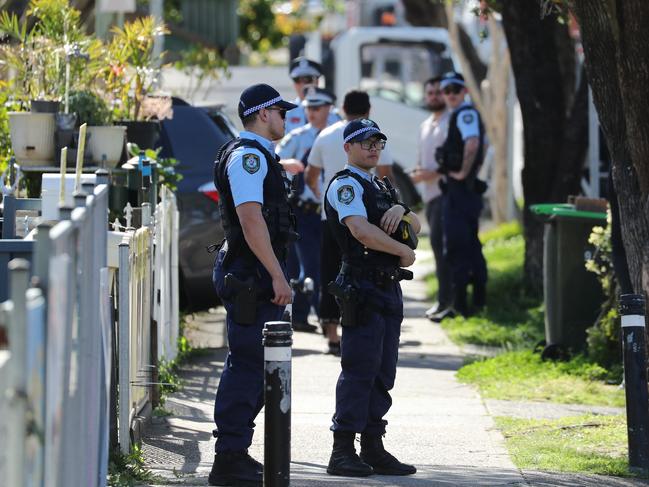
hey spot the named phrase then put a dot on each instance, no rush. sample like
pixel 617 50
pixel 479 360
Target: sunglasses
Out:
pixel 452 89
pixel 375 144
pixel 282 112
pixel 305 79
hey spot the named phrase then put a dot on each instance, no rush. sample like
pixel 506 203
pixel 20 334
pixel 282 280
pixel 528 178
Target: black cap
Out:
pixel 315 97
pixel 452 78
pixel 301 66
pixel 361 129
pixel 256 97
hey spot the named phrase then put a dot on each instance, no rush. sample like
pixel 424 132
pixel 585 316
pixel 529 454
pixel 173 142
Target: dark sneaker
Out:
pixel 304 326
pixel 236 468
pixel 442 315
pixel 381 461
pixel 334 348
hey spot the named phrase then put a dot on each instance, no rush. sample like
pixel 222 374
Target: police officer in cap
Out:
pixel 304 73
pixel 304 255
pixel 460 158
pixel 375 233
pixel 249 274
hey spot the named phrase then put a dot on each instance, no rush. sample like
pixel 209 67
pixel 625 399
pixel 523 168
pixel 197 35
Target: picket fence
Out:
pixel 83 306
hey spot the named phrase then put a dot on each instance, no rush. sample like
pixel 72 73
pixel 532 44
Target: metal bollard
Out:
pixel 632 312
pixel 277 343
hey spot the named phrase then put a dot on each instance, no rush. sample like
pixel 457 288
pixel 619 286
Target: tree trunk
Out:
pixel 538 63
pixel 617 63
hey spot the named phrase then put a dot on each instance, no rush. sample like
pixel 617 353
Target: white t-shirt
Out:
pixel 432 134
pixel 329 155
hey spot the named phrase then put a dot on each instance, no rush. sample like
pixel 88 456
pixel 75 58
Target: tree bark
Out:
pixel 535 56
pixel 617 64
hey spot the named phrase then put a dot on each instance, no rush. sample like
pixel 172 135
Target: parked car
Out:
pixel 194 136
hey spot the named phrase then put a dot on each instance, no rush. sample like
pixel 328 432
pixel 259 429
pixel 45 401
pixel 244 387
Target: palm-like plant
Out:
pixel 132 70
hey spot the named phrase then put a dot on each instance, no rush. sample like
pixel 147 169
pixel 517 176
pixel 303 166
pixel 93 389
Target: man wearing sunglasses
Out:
pixel 304 73
pixel 304 255
pixel 432 134
pixel 363 216
pixel 249 274
pixel 460 158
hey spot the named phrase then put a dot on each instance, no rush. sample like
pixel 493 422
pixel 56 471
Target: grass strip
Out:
pixel 523 376
pixel 585 444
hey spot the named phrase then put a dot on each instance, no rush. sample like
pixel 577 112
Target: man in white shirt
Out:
pixel 432 135
pixel 328 157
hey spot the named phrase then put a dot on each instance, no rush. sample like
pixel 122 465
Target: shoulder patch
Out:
pixel 467 118
pixel 346 194
pixel 251 163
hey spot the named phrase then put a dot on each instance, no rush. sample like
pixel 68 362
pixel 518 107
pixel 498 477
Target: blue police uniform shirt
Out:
pixel 296 117
pixel 468 122
pixel 295 145
pixel 345 195
pixel 247 169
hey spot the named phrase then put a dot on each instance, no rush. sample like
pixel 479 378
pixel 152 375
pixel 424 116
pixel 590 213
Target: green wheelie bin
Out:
pixel 572 295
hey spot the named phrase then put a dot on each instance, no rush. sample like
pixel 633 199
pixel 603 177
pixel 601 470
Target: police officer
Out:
pixel 304 256
pixel 366 220
pixel 304 73
pixel 460 159
pixel 249 274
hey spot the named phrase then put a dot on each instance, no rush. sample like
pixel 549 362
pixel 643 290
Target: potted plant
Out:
pixel 105 141
pixel 130 77
pixel 48 55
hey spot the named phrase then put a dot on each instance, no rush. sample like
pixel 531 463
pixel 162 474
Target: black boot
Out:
pixel 383 463
pixel 236 468
pixel 344 461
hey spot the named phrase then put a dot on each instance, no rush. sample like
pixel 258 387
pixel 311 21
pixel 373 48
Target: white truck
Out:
pixel 391 64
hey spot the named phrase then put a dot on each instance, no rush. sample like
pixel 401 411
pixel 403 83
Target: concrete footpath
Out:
pixel 436 423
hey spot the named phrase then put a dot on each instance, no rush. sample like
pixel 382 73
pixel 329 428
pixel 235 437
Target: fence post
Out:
pixel 632 312
pixel 277 343
pixel 19 279
pixel 124 349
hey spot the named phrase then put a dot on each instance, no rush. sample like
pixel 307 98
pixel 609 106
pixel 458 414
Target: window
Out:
pixel 396 71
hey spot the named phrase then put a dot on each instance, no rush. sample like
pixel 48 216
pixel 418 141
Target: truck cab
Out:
pixel 391 64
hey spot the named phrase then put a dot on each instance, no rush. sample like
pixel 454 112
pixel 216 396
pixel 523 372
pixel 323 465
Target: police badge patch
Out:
pixel 346 194
pixel 467 117
pixel 251 163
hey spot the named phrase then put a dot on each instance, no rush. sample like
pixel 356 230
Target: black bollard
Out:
pixel 632 312
pixel 277 402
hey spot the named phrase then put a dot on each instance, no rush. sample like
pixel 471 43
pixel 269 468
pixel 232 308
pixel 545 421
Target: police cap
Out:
pixel 301 66
pixel 315 97
pixel 452 78
pixel 361 129
pixel 259 96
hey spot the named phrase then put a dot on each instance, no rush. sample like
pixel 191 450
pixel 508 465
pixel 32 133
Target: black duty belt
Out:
pixel 378 275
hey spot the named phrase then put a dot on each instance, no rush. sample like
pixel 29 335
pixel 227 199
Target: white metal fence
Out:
pixel 56 376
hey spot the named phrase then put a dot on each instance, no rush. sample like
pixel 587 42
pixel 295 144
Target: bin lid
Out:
pixel 568 210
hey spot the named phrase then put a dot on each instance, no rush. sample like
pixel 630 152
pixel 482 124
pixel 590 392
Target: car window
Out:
pixel 194 138
pixel 396 71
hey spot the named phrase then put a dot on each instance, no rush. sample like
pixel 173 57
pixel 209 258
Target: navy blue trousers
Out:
pixel 369 362
pixel 304 261
pixel 461 209
pixel 239 397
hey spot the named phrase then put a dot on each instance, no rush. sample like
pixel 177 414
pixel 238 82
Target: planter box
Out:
pixel 32 138
pixel 106 141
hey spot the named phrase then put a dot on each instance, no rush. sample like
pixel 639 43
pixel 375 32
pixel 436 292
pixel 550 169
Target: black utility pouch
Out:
pixel 245 298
